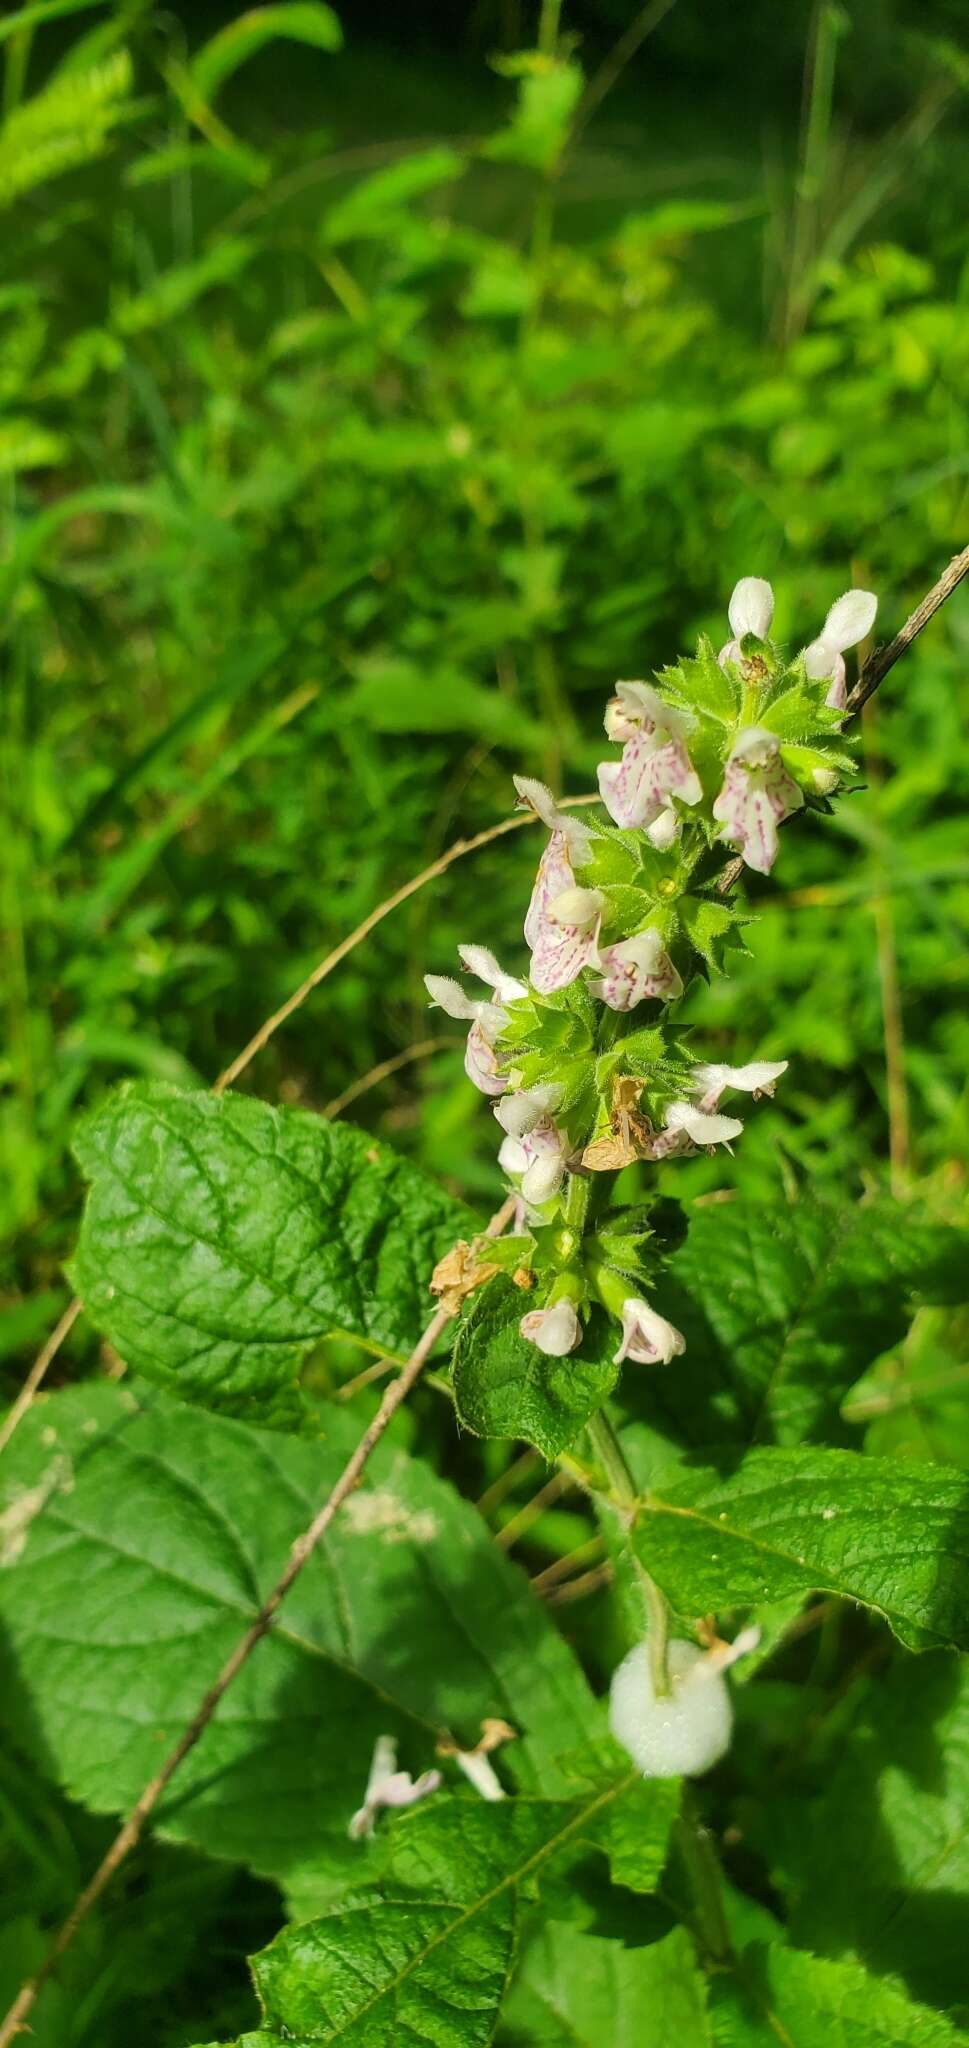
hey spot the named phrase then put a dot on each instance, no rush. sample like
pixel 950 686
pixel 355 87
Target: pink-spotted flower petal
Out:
pixel 635 970
pixel 757 794
pixel 565 938
pixel 647 1338
pixel 487 1019
pixel 655 767
pixel 556 1330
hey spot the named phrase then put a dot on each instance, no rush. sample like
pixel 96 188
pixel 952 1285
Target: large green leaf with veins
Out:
pixel 222 1239
pixel 890 1535
pixel 140 1537
pixel 423 1956
pixel 784 1308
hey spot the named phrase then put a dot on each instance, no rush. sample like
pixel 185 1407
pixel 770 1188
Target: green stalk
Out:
pixel 611 1456
pixel 702 1869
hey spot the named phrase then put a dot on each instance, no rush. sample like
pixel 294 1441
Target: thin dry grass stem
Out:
pixel 560 1482
pixel 561 1596
pixel 41 1364
pixel 506 1482
pixel 376 1370
pixel 564 1567
pixel 382 1072
pixel 130 1833
pixel 325 966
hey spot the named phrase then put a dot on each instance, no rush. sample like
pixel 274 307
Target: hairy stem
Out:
pixel 609 1451
pixel 702 1869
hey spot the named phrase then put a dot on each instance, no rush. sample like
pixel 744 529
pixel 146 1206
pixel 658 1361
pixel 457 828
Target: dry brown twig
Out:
pixel 129 1834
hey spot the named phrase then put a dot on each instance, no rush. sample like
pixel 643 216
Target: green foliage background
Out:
pixel 356 432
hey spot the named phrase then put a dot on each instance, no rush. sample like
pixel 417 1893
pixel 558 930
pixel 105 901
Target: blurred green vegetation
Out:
pixel 369 401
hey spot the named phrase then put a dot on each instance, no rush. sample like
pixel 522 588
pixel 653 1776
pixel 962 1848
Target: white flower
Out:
pixel 537 797
pixel 561 920
pixel 647 1338
pixel 688 1732
pixel 540 1157
pixel 757 794
pixel 521 1111
pixel 563 935
pixel 850 619
pixel 638 790
pixel 635 969
pixel 387 1786
pixel 487 1019
pixel 758 1078
pixel 554 1330
pixel 698 1128
pixel 637 707
pixel 480 962
pixel 750 610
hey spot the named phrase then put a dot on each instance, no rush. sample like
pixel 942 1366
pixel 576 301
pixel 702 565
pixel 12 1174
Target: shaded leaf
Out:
pixel 790 1305
pixel 140 1537
pixel 577 1990
pixel 778 1995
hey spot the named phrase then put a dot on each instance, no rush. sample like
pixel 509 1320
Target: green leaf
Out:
pixel 781 1996
pixel 549 93
pixel 506 1387
pixel 376 203
pixel 177 289
pixel 423 1955
pixel 876 1860
pixel 140 1537
pixel 787 1307
pixel 300 21
pixel 635 1832
pixel 892 1536
pixel 222 1239
pixel 577 1990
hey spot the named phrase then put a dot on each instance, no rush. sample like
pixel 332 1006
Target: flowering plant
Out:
pixel 585 1065
pixel 223 1239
